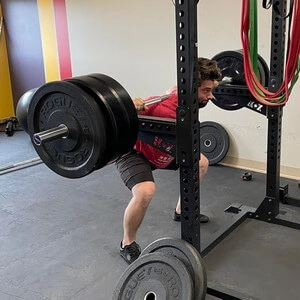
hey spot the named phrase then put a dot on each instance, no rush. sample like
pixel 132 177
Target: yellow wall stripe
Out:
pixel 49 40
pixel 6 100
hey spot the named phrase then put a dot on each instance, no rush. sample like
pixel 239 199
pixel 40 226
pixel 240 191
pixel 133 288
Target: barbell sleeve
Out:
pixel 60 131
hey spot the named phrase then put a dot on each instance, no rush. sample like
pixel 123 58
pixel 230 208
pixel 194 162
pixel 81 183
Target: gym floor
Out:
pixel 60 237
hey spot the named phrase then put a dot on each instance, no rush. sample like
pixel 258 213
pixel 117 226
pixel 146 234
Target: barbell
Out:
pixel 81 124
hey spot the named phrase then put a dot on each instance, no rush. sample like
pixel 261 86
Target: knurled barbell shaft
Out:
pixel 60 131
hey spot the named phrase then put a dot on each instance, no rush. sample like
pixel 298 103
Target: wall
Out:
pixel 24 46
pixel 134 42
pixel 6 102
pixel 37 43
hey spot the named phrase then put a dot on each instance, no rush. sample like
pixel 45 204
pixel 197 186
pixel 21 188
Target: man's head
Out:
pixel 209 74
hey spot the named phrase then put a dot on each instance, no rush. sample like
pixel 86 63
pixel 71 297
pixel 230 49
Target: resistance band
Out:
pixel 292 67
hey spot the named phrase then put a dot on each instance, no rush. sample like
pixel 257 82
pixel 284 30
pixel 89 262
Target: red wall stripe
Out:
pixel 62 34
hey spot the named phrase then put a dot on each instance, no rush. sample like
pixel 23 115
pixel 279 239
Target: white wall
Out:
pixel 134 42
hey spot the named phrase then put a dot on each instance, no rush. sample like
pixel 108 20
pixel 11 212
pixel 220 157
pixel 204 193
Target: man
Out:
pixel 136 167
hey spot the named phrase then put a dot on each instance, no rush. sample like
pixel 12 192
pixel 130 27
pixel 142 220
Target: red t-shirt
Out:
pixel 164 109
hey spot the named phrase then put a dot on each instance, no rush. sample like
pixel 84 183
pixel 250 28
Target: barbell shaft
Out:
pixel 60 131
pixel 156 100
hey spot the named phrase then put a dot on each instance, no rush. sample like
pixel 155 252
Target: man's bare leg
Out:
pixel 142 194
pixel 203 167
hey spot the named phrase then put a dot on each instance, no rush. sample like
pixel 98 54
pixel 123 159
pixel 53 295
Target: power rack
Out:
pixel 185 131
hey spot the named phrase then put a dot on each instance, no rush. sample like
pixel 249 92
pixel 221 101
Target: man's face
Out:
pixel 205 92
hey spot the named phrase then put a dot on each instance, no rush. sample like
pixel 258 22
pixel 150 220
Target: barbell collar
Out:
pixel 61 131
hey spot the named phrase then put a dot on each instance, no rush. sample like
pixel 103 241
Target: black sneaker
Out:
pixel 203 218
pixel 176 216
pixel 130 252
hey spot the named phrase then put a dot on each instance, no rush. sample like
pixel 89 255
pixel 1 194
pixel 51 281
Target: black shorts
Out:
pixel 134 168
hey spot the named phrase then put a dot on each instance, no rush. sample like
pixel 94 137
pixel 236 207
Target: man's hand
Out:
pixel 139 105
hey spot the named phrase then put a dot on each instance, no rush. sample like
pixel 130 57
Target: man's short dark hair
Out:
pixel 208 70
